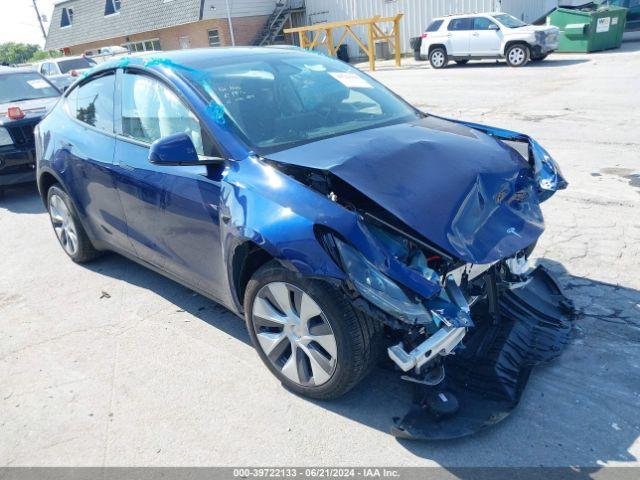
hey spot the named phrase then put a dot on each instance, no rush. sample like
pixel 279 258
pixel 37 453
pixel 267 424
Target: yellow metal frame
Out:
pixel 323 34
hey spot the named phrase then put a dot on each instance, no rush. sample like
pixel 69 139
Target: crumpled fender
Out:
pixel 548 176
pixel 264 205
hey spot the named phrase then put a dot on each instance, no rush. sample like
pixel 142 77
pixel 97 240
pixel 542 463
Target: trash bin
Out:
pixel 382 51
pixel 343 53
pixel 589 29
pixel 416 43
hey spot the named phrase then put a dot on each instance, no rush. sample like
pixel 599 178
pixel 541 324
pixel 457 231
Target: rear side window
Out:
pixel 151 111
pixel 458 24
pixel 435 26
pixel 75 64
pixel 92 102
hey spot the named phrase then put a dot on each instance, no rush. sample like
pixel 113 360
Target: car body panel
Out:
pixel 488 193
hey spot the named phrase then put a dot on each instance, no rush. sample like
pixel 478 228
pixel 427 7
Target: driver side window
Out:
pixel 481 23
pixel 150 111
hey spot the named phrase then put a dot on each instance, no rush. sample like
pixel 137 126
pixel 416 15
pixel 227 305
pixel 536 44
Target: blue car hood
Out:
pixel 463 190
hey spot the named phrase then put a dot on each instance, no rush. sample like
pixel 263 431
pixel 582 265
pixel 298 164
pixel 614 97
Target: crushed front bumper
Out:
pixel 486 378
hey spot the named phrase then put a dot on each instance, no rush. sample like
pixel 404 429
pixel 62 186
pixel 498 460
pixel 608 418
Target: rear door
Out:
pixel 486 37
pixel 459 36
pixel 171 211
pixel 87 142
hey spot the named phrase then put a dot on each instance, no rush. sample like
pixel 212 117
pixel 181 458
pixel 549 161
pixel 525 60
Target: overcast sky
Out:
pixel 18 21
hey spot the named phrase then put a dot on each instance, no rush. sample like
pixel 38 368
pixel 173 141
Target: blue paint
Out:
pixel 454 184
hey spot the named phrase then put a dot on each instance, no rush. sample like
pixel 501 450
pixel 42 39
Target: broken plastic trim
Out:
pixel 487 378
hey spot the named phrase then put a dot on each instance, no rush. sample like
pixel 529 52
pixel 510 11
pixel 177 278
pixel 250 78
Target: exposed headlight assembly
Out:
pixel 5 138
pixel 378 288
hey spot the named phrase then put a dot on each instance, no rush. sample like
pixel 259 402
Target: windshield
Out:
pixel 279 101
pixel 75 64
pixel 509 21
pixel 15 87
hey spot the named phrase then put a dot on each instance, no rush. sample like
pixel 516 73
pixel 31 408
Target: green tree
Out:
pixel 43 55
pixel 11 52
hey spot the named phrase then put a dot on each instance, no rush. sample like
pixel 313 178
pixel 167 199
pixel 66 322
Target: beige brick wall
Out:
pixel 244 28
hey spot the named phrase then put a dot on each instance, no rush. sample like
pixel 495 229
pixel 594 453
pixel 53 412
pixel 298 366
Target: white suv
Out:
pixel 486 35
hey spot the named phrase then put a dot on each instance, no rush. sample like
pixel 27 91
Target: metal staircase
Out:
pixel 272 28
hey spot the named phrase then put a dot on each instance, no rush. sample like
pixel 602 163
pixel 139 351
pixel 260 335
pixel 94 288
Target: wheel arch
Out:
pixel 511 43
pixel 438 45
pixel 245 259
pixel 46 179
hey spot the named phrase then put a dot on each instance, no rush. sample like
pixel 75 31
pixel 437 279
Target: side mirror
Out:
pixel 177 150
pixel 493 26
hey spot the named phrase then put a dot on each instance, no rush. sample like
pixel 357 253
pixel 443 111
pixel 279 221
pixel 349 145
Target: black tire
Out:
pixel 438 58
pixel 518 55
pixel 462 62
pixel 84 251
pixel 358 338
pixel 539 58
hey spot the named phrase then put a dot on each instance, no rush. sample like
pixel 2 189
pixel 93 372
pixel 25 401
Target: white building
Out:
pixel 418 13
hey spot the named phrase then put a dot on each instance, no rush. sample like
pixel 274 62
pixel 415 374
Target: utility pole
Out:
pixel 35 5
pixel 230 22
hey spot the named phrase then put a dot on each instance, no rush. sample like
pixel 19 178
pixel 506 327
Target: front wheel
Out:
pixel 307 332
pixel 518 55
pixel 438 58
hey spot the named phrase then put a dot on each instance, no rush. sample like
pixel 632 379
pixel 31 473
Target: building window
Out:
pixel 144 45
pixel 214 38
pixel 111 7
pixel 67 17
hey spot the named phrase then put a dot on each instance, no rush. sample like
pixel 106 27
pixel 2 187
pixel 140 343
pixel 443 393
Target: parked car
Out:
pixel 63 71
pixel 486 35
pixel 24 99
pixel 335 217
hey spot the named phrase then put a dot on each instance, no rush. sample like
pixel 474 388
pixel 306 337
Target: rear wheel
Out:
pixel 308 334
pixel 67 227
pixel 438 57
pixel 518 55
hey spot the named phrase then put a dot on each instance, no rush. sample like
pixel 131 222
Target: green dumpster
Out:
pixel 589 29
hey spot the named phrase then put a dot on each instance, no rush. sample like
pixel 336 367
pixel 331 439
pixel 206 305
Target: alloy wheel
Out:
pixel 437 58
pixel 63 224
pixel 294 334
pixel 517 56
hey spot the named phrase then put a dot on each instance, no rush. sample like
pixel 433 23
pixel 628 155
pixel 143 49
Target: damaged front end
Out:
pixel 465 315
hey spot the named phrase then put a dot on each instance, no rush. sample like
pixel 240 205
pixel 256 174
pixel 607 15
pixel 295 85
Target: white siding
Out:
pixel 529 10
pixel 417 13
pixel 239 8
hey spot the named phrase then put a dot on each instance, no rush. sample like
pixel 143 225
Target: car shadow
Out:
pixel 184 299
pixel 22 198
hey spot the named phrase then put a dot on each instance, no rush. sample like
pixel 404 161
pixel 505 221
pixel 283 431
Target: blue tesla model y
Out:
pixel 342 223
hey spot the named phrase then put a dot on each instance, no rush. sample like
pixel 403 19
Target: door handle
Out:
pixel 449 34
pixel 476 34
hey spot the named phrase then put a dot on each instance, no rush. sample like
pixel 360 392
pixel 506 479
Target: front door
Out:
pixel 459 35
pixel 171 211
pixel 486 37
